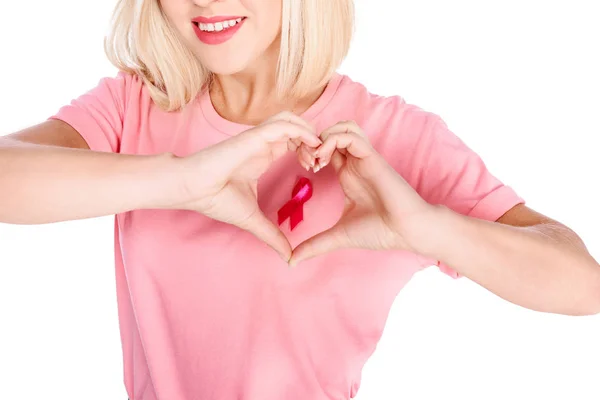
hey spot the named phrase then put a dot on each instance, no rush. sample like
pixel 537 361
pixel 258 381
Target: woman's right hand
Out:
pixel 221 180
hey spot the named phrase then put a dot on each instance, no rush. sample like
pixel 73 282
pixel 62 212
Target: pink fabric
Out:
pixel 206 311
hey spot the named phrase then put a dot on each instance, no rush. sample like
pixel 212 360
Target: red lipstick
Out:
pixel 217 30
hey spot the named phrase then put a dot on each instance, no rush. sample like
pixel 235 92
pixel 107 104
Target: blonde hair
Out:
pixel 315 38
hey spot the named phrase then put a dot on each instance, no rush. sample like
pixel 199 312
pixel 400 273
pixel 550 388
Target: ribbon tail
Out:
pixel 286 211
pixel 296 217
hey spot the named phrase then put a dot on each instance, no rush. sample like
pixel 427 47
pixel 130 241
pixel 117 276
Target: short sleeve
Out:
pixel 98 114
pixel 445 171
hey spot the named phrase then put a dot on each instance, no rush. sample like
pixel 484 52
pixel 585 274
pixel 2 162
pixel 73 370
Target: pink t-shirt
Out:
pixel 208 312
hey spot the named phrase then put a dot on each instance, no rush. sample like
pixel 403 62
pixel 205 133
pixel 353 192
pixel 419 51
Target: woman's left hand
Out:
pixel 381 209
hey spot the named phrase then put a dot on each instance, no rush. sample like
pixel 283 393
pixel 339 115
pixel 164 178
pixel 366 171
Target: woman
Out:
pixel 184 165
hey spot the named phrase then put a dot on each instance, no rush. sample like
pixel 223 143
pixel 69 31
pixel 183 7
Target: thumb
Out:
pixel 337 161
pixel 261 227
pixel 322 243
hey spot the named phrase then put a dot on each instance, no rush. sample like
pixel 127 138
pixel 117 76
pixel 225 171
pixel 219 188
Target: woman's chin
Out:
pixel 224 66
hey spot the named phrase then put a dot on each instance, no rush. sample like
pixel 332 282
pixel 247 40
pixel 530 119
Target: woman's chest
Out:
pixel 330 310
pixel 186 242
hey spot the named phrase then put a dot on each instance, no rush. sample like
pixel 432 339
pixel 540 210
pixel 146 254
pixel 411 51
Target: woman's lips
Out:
pixel 216 30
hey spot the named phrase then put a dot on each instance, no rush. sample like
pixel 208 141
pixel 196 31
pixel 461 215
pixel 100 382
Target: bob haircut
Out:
pixel 315 38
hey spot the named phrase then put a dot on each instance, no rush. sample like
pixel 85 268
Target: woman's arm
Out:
pixel 524 257
pixel 527 259
pixel 48 183
pixel 48 174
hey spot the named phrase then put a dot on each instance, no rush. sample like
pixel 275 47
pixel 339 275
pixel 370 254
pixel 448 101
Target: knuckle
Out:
pixel 286 115
pixel 324 135
pixel 281 127
pixel 353 127
pixel 336 137
pixel 280 116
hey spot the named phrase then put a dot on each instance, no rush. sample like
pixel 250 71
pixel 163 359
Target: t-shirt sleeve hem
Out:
pixel 85 126
pixel 496 204
pixel 490 208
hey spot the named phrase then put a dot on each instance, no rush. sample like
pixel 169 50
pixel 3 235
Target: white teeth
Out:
pixel 219 26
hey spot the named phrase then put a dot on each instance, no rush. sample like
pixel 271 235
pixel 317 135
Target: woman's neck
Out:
pixel 249 98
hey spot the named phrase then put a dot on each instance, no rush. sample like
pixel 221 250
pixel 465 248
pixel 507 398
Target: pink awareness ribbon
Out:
pixel 293 209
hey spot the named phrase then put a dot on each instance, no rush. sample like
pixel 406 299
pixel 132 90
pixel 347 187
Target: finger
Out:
pixel 337 160
pixel 304 165
pixel 283 130
pixel 305 156
pixel 291 145
pixel 355 145
pixel 261 227
pixel 290 117
pixel 253 141
pixel 293 118
pixel 324 242
pixel 344 127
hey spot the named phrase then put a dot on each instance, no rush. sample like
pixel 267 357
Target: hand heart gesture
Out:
pixel 380 204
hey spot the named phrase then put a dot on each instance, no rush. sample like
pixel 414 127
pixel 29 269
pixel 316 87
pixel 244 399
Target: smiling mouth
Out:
pixel 218 26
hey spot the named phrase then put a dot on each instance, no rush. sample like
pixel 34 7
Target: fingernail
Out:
pixel 312 162
pixel 307 167
pixel 316 169
pixel 322 164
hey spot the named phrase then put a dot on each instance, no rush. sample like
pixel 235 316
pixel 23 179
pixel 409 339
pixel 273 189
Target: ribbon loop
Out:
pixel 293 209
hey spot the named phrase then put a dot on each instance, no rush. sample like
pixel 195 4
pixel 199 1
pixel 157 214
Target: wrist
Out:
pixel 427 235
pixel 167 174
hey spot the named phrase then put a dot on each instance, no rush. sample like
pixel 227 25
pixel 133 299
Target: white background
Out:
pixel 517 80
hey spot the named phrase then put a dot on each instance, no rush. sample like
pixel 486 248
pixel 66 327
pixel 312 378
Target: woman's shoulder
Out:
pixel 381 113
pixel 123 84
pixel 113 92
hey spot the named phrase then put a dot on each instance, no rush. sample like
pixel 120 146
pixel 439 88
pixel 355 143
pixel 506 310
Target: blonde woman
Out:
pixel 230 149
